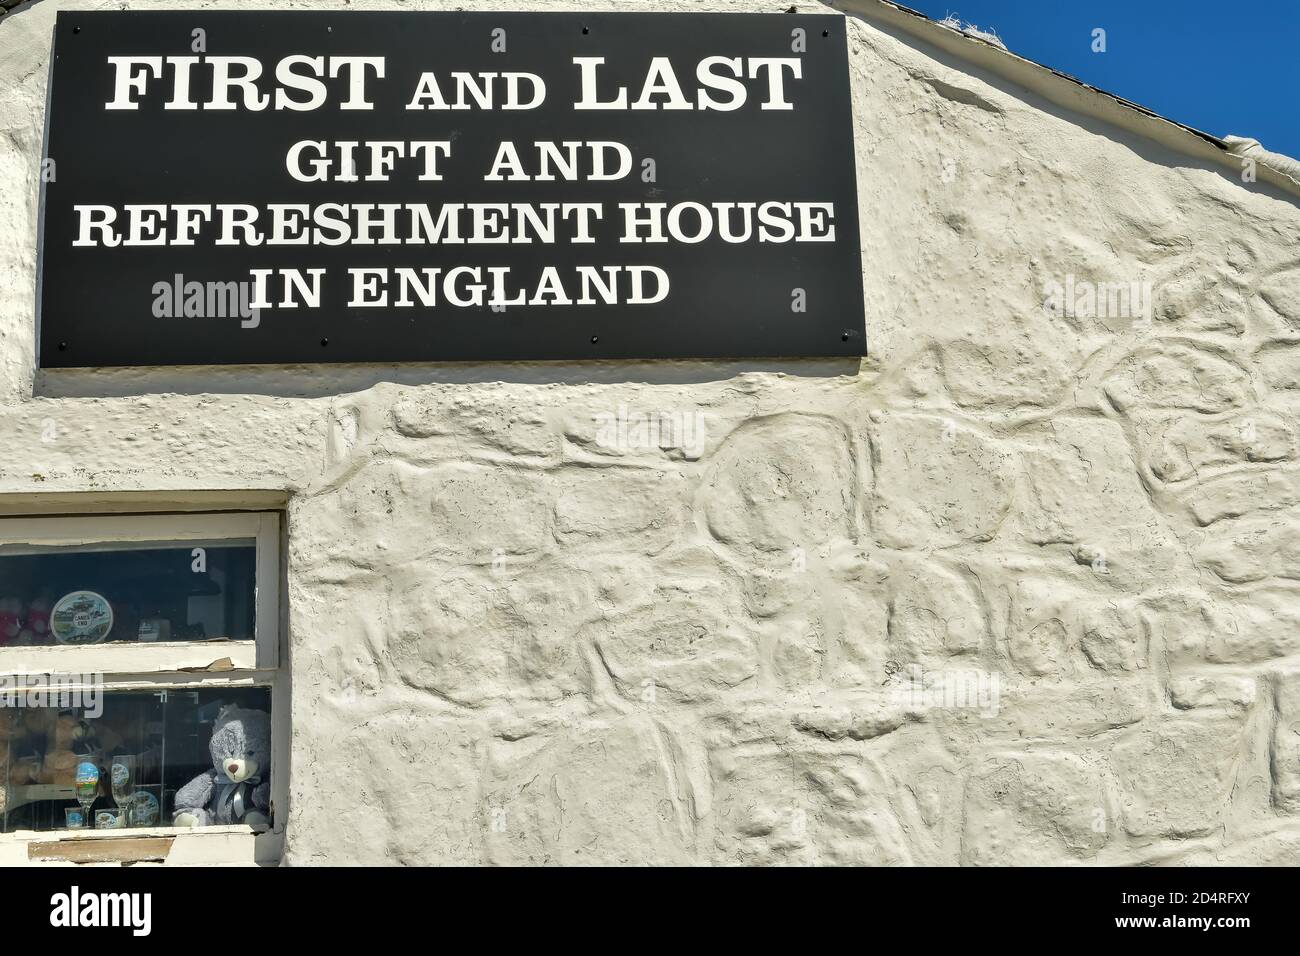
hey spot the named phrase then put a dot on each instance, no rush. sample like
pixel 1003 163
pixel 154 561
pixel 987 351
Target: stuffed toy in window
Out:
pixel 238 788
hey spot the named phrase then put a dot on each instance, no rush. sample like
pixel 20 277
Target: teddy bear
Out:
pixel 238 788
pixel 15 769
pixel 19 764
pixel 67 744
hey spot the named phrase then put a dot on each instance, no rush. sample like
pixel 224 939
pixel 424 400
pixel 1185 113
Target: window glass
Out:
pixel 150 591
pixel 120 759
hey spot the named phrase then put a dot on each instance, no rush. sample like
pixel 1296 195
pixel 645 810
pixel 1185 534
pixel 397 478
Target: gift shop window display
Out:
pixel 152 591
pixel 159 758
pixel 164 632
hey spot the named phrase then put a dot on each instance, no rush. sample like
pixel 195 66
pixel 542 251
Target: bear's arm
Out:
pixel 262 796
pixel 196 794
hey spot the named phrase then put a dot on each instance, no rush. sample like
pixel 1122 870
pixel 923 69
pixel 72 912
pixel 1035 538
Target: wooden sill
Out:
pixel 130 850
pixel 158 845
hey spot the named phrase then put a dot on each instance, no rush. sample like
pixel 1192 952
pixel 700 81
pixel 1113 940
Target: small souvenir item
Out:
pixel 82 617
pixel 155 629
pixel 74 818
pixel 85 783
pixel 122 775
pixel 109 819
pixel 144 809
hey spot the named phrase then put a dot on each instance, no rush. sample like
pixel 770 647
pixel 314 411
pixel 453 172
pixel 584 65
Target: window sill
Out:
pixel 161 846
pixel 122 657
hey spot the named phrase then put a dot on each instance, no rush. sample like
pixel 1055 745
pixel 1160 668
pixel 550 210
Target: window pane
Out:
pixel 126 766
pixel 150 591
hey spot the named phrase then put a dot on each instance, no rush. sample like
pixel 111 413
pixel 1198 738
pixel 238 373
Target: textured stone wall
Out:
pixel 1024 587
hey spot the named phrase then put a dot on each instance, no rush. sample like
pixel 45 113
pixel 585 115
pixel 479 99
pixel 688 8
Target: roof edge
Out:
pixel 1069 92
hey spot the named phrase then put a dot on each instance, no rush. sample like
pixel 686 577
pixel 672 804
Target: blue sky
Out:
pixel 1220 67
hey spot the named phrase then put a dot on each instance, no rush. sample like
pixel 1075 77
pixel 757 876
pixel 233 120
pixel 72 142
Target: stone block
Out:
pixel 782 482
pixel 937 483
pixel 1034 809
pixel 1175 775
pixel 1176 374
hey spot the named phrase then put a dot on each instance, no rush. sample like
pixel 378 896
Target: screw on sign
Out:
pixel 554 230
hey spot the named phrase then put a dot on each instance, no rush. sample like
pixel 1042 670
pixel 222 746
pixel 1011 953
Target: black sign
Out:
pixel 252 188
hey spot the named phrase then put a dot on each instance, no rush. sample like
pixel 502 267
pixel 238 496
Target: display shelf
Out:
pixel 22 796
pixel 36 793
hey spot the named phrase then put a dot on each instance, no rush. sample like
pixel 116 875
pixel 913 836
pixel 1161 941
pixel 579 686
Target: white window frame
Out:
pixel 165 665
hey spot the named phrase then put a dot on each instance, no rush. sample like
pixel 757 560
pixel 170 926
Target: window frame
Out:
pixel 261 653
pixel 167 665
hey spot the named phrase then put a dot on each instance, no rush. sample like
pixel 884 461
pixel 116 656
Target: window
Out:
pixel 126 643
pixel 160 591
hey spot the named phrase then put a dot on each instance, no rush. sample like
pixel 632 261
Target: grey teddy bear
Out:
pixel 238 788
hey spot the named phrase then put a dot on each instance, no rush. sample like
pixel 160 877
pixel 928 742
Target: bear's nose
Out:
pixel 234 768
